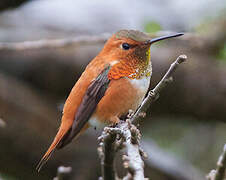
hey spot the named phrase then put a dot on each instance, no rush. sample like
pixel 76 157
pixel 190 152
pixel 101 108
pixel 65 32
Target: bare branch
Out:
pixel 133 161
pixel 128 135
pixel 219 173
pixel 107 150
pixel 63 173
pixel 153 95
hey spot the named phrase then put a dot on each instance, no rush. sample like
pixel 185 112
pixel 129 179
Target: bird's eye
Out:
pixel 125 46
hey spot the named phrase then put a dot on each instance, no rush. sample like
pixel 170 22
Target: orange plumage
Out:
pixel 115 81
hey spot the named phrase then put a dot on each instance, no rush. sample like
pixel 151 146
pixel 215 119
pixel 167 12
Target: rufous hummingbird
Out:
pixel 114 82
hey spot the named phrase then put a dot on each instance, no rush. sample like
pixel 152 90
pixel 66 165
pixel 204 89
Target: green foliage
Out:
pixel 152 27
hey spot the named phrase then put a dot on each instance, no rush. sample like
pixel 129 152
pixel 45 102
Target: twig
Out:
pixel 153 95
pixel 219 173
pixel 107 150
pixel 63 173
pixel 133 160
pixel 128 135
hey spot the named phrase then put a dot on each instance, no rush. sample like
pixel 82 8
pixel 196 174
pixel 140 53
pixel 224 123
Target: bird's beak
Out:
pixel 164 37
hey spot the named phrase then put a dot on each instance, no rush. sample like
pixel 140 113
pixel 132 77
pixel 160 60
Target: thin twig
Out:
pixel 219 173
pixel 153 95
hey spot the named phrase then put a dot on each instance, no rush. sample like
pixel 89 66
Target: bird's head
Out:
pixel 128 52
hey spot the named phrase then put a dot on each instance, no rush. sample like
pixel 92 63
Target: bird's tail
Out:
pixel 61 133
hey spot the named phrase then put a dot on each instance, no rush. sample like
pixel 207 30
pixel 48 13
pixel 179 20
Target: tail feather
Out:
pixel 59 142
pixel 48 153
pixel 44 159
pixel 61 133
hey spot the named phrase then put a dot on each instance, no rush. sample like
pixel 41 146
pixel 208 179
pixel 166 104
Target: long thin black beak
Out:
pixel 164 37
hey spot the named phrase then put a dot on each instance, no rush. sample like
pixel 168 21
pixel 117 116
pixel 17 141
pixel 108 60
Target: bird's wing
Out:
pixel 93 95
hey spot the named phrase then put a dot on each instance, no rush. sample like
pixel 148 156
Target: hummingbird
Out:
pixel 113 83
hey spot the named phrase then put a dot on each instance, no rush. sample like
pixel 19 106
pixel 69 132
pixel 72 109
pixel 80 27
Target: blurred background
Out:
pixel 183 133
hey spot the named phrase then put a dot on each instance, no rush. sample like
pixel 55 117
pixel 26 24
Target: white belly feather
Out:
pixel 141 84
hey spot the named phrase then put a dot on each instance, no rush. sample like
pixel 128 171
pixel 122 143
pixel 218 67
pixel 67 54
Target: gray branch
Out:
pixel 113 139
pixel 107 151
pixel 126 135
pixel 133 160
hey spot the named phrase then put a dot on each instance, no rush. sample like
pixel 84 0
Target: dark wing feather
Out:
pixel 93 95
